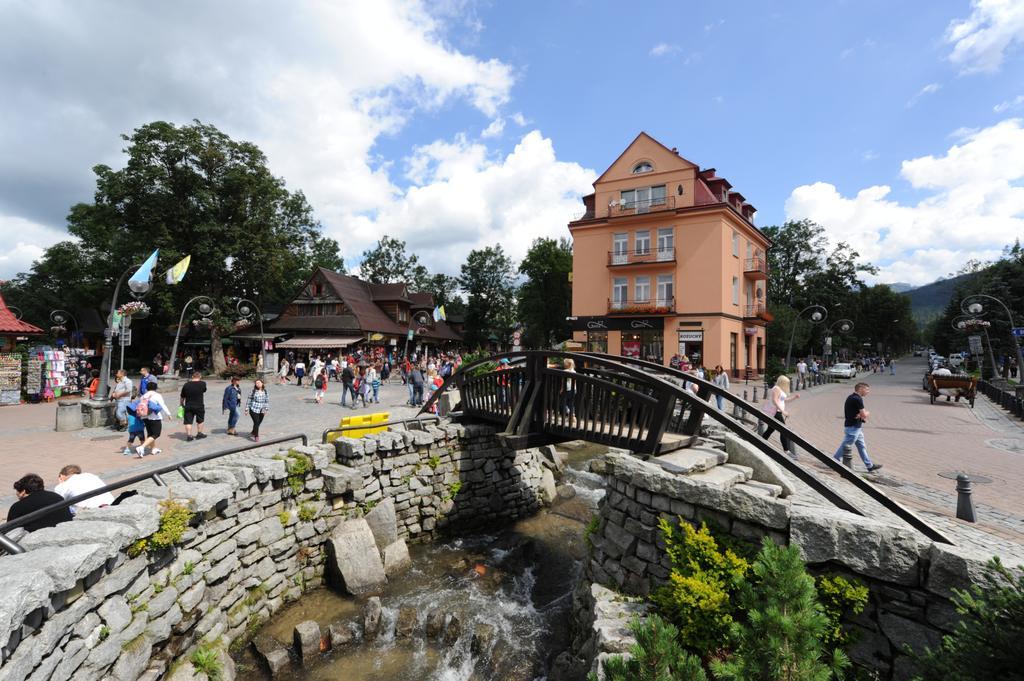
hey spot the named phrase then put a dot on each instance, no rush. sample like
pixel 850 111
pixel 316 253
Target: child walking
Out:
pixel 136 428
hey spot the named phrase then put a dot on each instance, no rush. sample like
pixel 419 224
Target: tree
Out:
pixel 445 290
pixel 188 190
pixel 388 263
pixel 488 278
pixel 545 298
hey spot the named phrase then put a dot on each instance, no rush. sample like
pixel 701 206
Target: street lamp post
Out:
pixel 817 315
pixel 206 309
pixel 60 317
pixel 964 322
pixel 972 305
pixel 16 311
pixel 844 326
pixel 246 308
pixel 138 289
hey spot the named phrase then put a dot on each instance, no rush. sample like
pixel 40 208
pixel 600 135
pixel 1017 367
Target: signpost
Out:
pixel 975 344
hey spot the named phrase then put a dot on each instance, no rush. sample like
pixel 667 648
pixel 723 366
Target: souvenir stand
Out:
pixel 12 331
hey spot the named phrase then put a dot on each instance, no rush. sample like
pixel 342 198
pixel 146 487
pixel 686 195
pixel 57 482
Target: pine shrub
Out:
pixel 656 656
pixel 989 638
pixel 782 637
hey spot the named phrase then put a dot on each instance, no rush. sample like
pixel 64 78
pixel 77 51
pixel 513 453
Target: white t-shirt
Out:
pixel 155 398
pixel 300 366
pixel 81 483
pixel 802 367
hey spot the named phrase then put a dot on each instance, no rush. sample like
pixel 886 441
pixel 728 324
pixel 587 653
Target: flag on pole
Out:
pixel 145 273
pixel 442 313
pixel 437 314
pixel 177 273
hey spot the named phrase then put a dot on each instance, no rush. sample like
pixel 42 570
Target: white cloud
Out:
pixel 495 129
pixel 663 49
pixel 929 89
pixel 1014 103
pixel 869 155
pixel 974 206
pixel 24 242
pixel 464 199
pixel 314 84
pixel 983 40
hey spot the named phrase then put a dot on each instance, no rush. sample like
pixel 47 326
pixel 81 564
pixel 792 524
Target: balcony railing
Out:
pixel 641 206
pixel 640 256
pixel 755 311
pixel 644 306
pixel 756 268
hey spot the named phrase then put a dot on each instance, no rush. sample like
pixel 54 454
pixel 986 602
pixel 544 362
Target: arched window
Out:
pixel 642 167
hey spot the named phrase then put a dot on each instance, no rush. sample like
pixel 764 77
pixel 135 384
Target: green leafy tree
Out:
pixel 545 298
pixel 656 656
pixel 388 263
pixel 781 639
pixel 445 290
pixel 188 190
pixel 987 640
pixel 488 278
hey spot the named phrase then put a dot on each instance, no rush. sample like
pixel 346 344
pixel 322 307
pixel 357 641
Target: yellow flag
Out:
pixel 177 273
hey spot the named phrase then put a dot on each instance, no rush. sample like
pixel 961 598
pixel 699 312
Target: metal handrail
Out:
pixel 13 547
pixel 643 369
pixel 843 472
pixel 393 422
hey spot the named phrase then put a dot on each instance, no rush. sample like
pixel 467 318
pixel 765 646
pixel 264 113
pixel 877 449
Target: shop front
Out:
pixel 634 337
pixel 691 346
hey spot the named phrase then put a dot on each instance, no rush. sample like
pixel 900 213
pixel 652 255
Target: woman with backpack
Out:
pixel 320 383
pixel 151 410
pixel 257 407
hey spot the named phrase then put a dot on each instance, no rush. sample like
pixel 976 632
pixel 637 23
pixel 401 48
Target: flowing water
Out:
pixel 518 579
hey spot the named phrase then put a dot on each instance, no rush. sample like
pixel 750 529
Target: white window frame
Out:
pixel 736 244
pixel 620 248
pixel 666 243
pixel 643 167
pixel 666 290
pixel 736 291
pixel 643 237
pixel 642 289
pixel 750 251
pixel 620 292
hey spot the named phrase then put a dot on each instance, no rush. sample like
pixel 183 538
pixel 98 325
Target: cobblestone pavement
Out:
pixel 29 444
pixel 916 441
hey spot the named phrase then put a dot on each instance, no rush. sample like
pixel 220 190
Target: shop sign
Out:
pixel 691 336
pixel 616 323
pixel 750 330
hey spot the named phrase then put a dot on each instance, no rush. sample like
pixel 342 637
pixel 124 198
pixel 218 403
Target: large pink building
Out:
pixel 667 260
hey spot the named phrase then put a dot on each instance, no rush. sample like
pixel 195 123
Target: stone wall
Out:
pixel 910 578
pixel 80 605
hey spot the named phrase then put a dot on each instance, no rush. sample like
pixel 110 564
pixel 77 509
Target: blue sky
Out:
pixel 896 125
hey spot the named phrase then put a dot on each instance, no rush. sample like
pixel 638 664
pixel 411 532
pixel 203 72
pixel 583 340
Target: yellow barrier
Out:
pixel 366 422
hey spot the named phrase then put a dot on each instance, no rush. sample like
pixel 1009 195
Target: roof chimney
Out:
pixel 675 151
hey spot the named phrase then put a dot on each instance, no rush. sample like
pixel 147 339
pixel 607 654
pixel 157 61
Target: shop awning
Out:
pixel 254 336
pixel 315 342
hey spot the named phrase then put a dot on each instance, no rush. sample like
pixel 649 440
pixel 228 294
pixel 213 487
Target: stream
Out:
pixel 518 579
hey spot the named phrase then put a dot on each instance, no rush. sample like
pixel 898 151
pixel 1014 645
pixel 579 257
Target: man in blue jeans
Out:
pixel 853 426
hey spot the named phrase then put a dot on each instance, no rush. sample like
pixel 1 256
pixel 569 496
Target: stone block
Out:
pixel 355 557
pixel 114 535
pixel 957 567
pixel 143 518
pixel 547 490
pixel 271 530
pixel 396 559
pixel 202 496
pixel 864 545
pixel 372 612
pixel 20 594
pixel 383 523
pixel 64 565
pixel 306 639
pixel 764 469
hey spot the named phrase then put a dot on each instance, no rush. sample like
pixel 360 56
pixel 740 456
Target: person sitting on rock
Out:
pixel 32 496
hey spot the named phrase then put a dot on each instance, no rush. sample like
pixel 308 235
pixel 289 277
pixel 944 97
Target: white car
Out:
pixel 842 370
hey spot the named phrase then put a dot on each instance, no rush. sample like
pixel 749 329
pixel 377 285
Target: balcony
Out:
pixel 642 256
pixel 642 206
pixel 757 311
pixel 755 268
pixel 648 306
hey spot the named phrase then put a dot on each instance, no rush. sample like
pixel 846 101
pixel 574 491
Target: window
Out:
pixel 666 244
pixel 642 290
pixel 750 250
pixel 642 167
pixel 619 292
pixel 733 341
pixel 642 242
pixel 597 341
pixel 735 290
pixel 736 244
pixel 643 198
pixel 620 248
pixel 665 291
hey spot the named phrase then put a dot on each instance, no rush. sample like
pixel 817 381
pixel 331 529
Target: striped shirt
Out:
pixel 258 402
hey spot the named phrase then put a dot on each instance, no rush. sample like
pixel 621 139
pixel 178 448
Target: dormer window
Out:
pixel 642 167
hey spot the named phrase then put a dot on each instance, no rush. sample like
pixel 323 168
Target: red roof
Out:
pixel 702 195
pixel 9 324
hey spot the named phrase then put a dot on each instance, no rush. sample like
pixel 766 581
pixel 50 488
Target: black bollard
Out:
pixel 964 502
pixel 744 394
pixel 848 456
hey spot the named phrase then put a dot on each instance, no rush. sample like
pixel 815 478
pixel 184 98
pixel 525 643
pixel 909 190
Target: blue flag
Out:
pixel 145 273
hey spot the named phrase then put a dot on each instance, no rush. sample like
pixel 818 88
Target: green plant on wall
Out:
pixel 206 660
pixel 452 491
pixel 699 596
pixel 174 519
pixel 591 529
pixel 782 636
pixel 307 513
pixel 434 461
pixel 656 656
pixel 840 598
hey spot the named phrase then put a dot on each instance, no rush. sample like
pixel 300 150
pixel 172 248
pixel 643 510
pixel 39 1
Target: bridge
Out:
pixel 640 406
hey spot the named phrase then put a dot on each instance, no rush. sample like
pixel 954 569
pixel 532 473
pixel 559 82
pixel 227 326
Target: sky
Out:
pixel 461 124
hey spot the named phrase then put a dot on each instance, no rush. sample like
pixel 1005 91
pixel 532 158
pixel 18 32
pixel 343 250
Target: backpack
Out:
pixel 319 383
pixel 142 410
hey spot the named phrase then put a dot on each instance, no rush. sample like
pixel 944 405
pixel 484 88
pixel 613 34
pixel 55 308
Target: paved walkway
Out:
pixel 917 441
pixel 29 443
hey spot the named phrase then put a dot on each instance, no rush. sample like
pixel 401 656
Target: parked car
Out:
pixel 955 360
pixel 842 370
